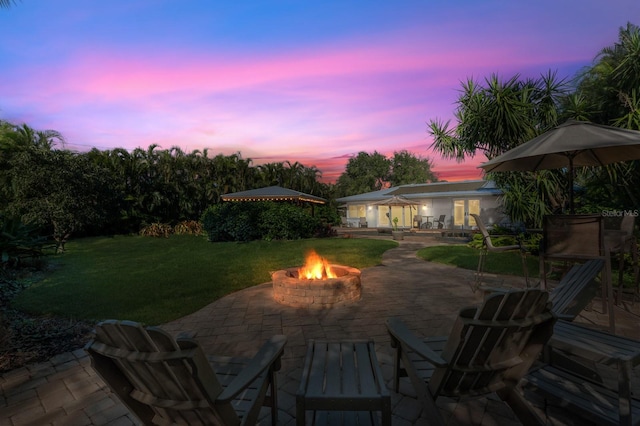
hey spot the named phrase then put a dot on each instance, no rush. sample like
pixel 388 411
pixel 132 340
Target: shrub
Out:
pixel 188 227
pixel 157 230
pixel 280 221
pixel 18 241
pixel 258 220
pixel 232 222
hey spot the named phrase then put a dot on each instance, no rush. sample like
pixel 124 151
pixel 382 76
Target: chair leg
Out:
pixel 525 269
pixel 274 399
pixel 543 273
pixel 480 270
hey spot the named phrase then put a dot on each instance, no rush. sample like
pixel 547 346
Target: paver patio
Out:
pixel 427 296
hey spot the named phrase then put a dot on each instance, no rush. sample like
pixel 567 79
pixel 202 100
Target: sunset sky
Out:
pixel 309 81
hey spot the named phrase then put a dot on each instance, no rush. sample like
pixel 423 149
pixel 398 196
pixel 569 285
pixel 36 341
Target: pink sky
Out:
pixel 316 83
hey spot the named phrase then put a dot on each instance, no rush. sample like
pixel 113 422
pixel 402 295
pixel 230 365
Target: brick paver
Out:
pixel 427 296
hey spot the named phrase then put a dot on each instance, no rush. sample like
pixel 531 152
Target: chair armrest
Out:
pixel 268 354
pixel 400 333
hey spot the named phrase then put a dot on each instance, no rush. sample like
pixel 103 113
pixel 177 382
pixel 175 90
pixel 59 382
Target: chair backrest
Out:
pixel 486 237
pixel 363 220
pixel 576 289
pixel 493 346
pixel 161 380
pixel 573 236
pixel 483 229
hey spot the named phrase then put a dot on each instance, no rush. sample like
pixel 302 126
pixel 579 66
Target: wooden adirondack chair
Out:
pixel 576 289
pixel 490 349
pixel 167 381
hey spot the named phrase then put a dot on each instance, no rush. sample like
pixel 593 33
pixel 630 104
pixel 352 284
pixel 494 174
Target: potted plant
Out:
pixel 396 233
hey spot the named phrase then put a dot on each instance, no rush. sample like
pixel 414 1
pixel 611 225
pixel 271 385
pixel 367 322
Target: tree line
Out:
pixel 117 191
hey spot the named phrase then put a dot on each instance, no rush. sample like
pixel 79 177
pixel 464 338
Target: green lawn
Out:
pixel 462 256
pixel 155 280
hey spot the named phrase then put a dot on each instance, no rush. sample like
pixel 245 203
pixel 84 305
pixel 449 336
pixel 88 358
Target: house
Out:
pixel 421 205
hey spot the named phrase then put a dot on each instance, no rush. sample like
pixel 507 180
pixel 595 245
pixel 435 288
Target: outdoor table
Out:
pixel 353 223
pixel 602 348
pixel 427 222
pixel 342 383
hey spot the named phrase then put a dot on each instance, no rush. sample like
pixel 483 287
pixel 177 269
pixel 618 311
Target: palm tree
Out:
pixel 611 90
pixel 498 116
pixel 6 3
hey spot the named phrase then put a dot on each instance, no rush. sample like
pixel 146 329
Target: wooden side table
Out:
pixel 342 382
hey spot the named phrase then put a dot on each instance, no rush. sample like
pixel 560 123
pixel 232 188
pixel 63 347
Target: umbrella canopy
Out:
pixel 395 200
pixel 572 144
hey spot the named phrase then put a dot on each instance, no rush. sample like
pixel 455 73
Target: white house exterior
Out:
pixel 455 200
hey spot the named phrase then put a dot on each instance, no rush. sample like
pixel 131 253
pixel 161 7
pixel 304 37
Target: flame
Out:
pixel 316 268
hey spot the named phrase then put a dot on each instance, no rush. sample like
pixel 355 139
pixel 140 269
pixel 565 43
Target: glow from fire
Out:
pixel 316 268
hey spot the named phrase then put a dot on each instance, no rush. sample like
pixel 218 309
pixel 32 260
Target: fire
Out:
pixel 316 268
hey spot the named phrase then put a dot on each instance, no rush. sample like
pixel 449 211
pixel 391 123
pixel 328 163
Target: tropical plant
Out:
pixel 18 240
pixel 609 94
pixel 496 117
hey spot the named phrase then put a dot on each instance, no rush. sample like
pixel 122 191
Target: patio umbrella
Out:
pixel 569 145
pixel 395 200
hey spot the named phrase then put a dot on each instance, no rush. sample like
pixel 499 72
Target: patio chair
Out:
pixel 577 238
pixel 439 221
pixel 344 222
pixel 166 381
pixel 487 246
pixel 489 349
pixel 620 241
pixel 363 222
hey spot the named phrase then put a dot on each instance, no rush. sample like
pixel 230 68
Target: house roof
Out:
pixel 272 193
pixel 428 190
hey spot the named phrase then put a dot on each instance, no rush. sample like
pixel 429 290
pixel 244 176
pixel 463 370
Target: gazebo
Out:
pixel 273 193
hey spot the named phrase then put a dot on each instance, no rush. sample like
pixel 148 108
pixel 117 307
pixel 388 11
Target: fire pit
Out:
pixel 316 285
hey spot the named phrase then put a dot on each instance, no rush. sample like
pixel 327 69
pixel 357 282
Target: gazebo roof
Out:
pixel 272 193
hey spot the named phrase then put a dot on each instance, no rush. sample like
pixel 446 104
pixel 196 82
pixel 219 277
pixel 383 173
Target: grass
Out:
pixel 462 256
pixel 156 280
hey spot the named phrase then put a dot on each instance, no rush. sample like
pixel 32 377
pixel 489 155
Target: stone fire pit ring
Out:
pixel 292 291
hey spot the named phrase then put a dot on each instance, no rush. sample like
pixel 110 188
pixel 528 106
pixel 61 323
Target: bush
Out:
pixel 157 230
pixel 18 241
pixel 501 237
pixel 280 221
pixel 232 222
pixel 188 227
pixel 258 220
